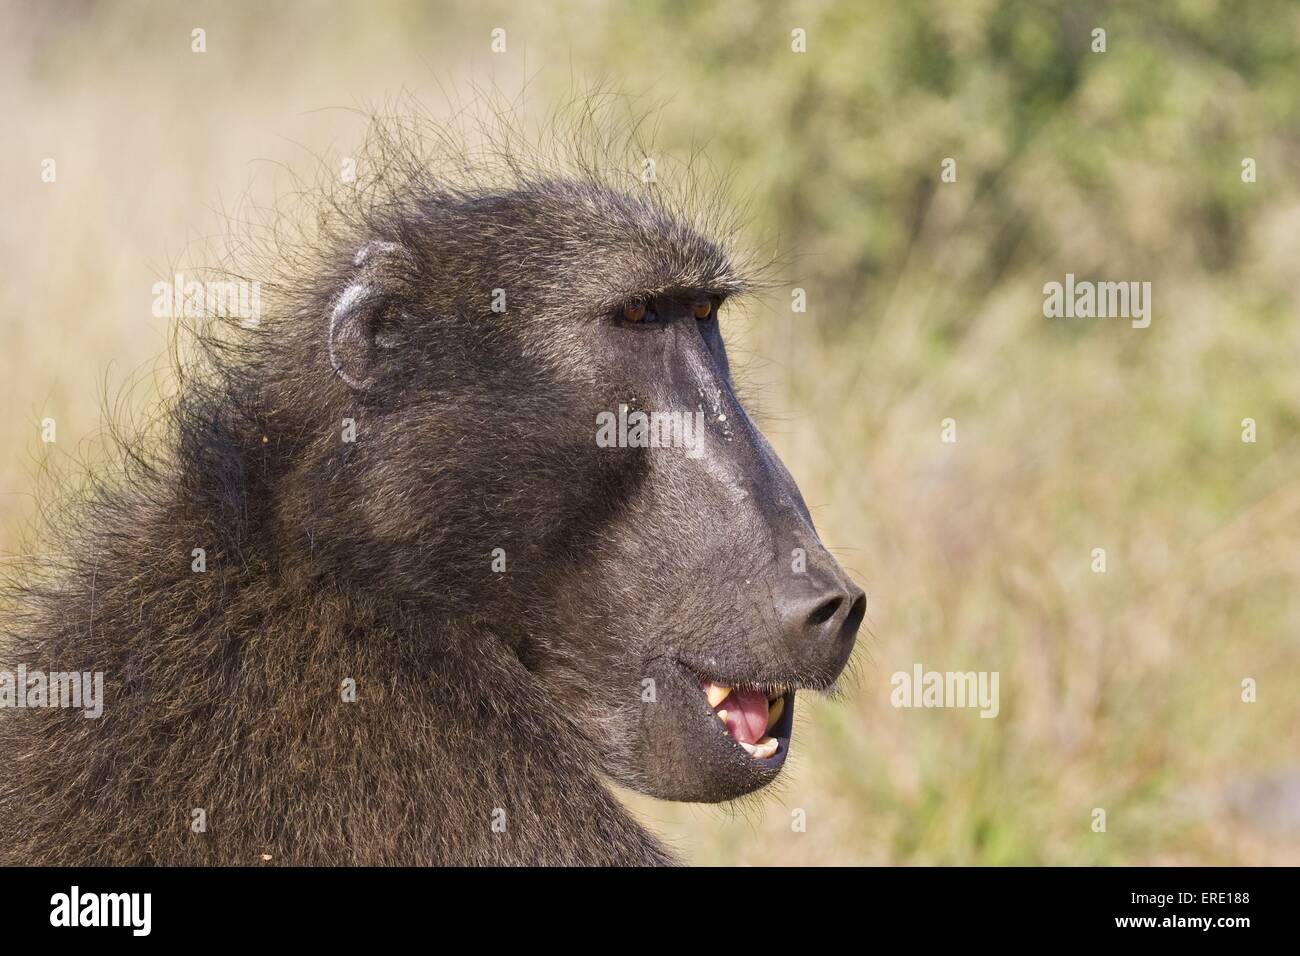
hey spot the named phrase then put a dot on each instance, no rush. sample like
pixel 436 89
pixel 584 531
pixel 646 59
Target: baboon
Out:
pixel 435 615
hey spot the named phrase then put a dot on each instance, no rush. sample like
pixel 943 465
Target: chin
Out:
pixel 708 739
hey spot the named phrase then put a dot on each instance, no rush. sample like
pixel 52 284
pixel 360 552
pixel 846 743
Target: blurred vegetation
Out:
pixel 1119 690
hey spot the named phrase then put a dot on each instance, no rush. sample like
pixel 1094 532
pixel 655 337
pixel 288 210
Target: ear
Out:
pixel 352 335
pixel 355 333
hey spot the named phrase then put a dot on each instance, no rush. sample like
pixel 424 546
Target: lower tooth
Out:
pixel 761 750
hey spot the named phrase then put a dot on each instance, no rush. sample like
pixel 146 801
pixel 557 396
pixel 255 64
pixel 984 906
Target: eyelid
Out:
pixel 649 311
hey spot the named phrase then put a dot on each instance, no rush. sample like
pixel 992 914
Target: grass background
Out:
pixel 1119 690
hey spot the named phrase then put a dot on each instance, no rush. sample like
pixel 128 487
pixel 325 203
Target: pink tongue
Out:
pixel 746 714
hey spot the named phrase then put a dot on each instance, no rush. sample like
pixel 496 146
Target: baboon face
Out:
pixel 555 433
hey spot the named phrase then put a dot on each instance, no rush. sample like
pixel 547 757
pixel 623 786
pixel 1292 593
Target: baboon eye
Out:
pixel 634 311
pixel 703 308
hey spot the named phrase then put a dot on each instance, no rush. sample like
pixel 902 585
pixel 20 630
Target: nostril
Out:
pixel 856 614
pixel 824 611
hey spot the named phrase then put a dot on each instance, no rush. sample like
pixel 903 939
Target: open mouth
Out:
pixel 758 719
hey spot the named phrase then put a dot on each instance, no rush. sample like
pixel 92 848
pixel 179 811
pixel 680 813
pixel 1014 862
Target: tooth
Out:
pixel 716 694
pixel 766 747
pixel 722 716
pixel 750 748
pixel 776 695
pixel 774 712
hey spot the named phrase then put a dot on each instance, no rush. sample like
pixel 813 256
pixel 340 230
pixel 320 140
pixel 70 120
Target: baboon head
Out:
pixel 550 454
